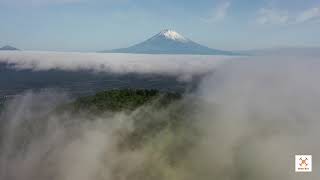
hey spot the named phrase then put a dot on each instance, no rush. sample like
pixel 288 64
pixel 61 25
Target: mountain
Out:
pixel 170 42
pixel 8 48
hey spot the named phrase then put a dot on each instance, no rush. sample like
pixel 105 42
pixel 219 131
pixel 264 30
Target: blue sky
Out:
pixel 92 25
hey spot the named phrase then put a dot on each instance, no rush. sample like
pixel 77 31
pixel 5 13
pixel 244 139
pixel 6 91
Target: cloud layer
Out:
pixel 182 66
pixel 252 117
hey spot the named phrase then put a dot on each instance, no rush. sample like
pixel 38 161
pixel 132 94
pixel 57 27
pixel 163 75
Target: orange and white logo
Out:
pixel 303 163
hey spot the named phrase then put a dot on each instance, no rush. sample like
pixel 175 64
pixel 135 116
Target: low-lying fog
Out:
pixel 255 113
pixel 182 66
pixel 86 73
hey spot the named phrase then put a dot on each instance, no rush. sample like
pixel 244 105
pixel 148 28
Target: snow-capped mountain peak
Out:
pixel 170 42
pixel 172 35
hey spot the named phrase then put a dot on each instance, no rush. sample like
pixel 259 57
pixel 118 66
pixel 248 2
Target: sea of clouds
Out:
pixel 182 66
pixel 255 113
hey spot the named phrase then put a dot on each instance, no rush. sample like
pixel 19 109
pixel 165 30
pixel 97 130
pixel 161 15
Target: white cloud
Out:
pixel 182 66
pixel 219 12
pixel 309 14
pixel 272 16
pixel 276 16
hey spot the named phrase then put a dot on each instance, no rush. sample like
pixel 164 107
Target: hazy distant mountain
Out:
pixel 284 51
pixel 8 48
pixel 170 42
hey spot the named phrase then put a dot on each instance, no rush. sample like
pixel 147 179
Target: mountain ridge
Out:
pixel 8 48
pixel 169 42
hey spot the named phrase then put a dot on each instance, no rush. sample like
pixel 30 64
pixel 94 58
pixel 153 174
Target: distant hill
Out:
pixel 170 42
pixel 9 48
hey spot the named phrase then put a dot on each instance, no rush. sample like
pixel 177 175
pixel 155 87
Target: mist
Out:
pixel 251 116
pixel 183 67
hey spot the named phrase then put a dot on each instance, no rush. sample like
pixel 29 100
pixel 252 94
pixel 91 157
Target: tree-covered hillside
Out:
pixel 155 127
pixel 151 112
pixel 126 99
